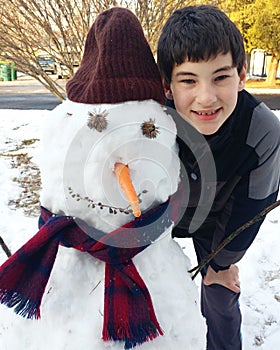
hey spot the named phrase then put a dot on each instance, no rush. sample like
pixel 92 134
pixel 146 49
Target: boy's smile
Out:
pixel 208 114
pixel 205 92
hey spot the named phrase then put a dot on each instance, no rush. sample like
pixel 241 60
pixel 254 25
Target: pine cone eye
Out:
pixel 149 129
pixel 97 120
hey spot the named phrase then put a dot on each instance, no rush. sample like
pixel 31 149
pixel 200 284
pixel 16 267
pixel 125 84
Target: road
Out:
pixel 28 101
pixel 27 93
pixel 271 100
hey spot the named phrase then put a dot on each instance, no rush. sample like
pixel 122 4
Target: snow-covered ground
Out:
pixel 259 269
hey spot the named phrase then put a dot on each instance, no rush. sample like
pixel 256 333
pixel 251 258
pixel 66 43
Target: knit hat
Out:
pixel 117 64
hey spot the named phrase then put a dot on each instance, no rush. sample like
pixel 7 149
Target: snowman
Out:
pixel 103 271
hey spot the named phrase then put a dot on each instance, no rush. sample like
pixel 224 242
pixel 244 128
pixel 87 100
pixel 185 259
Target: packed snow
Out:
pixel 20 132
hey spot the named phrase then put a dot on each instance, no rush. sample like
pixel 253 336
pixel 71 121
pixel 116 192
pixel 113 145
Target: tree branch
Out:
pixel 235 233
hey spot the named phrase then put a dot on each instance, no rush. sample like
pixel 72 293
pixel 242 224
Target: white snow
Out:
pixel 259 271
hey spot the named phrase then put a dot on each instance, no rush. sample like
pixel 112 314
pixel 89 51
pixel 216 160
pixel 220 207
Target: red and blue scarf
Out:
pixel 128 311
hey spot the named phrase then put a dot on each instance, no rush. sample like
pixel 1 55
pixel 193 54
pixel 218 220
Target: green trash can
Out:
pixel 13 72
pixel 5 71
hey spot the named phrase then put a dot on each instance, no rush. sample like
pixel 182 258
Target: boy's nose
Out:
pixel 206 95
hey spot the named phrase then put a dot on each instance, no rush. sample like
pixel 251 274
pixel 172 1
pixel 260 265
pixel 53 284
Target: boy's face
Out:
pixel 205 92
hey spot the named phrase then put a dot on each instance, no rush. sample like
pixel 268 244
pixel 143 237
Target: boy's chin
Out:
pixel 208 128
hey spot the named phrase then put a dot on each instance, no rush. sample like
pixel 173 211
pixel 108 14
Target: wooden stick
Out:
pixel 235 233
pixel 5 247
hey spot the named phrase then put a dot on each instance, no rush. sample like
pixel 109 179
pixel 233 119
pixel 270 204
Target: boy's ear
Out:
pixel 242 77
pixel 167 90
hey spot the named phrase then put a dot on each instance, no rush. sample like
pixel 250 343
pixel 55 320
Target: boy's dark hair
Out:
pixel 198 33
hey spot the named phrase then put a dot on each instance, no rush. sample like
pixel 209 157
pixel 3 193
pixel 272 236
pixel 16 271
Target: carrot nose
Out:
pixel 123 175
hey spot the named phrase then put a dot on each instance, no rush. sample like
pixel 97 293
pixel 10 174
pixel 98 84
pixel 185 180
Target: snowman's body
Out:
pixel 77 170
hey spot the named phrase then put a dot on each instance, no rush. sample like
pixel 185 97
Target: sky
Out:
pixel 20 132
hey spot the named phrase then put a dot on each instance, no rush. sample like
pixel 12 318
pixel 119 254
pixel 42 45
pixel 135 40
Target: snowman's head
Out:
pixel 137 136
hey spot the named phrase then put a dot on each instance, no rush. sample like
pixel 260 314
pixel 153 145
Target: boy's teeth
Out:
pixel 206 113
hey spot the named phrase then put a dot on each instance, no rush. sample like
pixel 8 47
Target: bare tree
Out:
pixel 58 28
pixel 54 28
pixel 153 14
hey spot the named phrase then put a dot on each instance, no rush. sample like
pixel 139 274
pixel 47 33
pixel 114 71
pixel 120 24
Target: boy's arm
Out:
pixel 254 192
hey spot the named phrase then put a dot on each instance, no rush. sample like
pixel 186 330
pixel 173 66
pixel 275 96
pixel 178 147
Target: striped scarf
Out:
pixel 128 311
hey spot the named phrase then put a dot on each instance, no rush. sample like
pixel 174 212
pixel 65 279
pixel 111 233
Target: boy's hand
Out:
pixel 227 278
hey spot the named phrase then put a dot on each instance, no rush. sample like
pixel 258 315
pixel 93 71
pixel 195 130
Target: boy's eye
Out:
pixel 188 81
pixel 221 77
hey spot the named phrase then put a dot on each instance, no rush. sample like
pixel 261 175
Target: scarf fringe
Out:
pixel 132 336
pixel 23 306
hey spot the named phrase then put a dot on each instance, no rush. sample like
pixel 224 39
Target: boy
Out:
pixel 201 57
